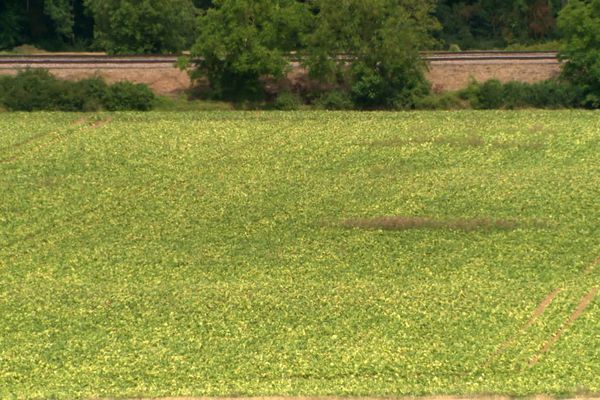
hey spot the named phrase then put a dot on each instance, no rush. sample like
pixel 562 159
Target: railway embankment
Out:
pixel 446 71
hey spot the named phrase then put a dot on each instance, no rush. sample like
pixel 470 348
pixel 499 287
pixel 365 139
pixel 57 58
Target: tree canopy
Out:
pixel 142 26
pixel 383 39
pixel 579 23
pixel 120 24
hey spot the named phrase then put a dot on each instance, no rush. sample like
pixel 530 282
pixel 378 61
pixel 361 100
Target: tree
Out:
pixel 11 24
pixel 374 48
pixel 497 23
pixel 142 26
pixel 240 41
pixel 61 14
pixel 51 24
pixel 579 23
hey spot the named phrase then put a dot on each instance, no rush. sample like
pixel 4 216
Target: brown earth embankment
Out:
pixel 444 75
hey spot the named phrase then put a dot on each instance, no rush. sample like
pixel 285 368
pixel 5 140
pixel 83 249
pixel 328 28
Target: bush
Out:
pixel 488 95
pixel 94 91
pixel 579 22
pixel 287 101
pixel 335 100
pixel 442 101
pixel 32 90
pixel 396 87
pixel 383 39
pixel 37 90
pixel 547 94
pixel 555 94
pixel 4 82
pixel 129 96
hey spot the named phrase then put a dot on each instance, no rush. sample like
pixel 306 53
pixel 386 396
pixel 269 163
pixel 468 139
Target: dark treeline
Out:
pixel 161 26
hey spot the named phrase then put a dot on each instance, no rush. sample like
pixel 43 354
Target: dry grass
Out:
pixel 402 223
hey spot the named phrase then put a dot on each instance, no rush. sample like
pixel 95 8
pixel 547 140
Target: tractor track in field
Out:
pixel 578 312
pixel 537 314
pixel 78 123
pixel 581 307
pixel 35 138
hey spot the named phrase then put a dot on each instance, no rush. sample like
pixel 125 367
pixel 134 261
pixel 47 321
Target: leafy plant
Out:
pixel 287 101
pixel 215 253
pixel 37 89
pixel 146 26
pixel 579 23
pixel 374 48
pixel 129 96
pixel 241 41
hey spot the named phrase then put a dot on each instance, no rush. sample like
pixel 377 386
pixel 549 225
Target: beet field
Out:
pixel 302 253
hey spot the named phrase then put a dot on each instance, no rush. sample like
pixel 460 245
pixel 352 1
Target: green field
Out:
pixel 307 253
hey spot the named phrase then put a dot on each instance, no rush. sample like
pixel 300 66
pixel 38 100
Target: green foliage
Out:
pixel 123 96
pixel 37 89
pixel 61 14
pixel 50 24
pixel 551 45
pixel 287 101
pixel 579 22
pixel 442 101
pixel 11 21
pixel 493 94
pixel 381 40
pixel 481 24
pixel 5 81
pixel 240 41
pixel 146 26
pixel 205 254
pixel 335 100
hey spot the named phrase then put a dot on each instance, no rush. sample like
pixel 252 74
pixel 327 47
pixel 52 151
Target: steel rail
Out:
pixel 172 59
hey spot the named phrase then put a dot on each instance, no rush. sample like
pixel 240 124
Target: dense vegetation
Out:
pixel 580 24
pixel 362 55
pixel 38 90
pixel 141 26
pixel 299 253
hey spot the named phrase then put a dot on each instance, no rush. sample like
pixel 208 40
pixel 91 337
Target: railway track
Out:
pixel 116 61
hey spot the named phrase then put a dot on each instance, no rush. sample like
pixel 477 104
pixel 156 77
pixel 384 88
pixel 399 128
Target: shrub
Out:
pixel 129 96
pixel 287 101
pixel 579 22
pixel 4 82
pixel 442 101
pixel 335 100
pixel 454 48
pixel 382 39
pixel 37 89
pixel 555 94
pixel 547 94
pixel 488 95
pixel 33 89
